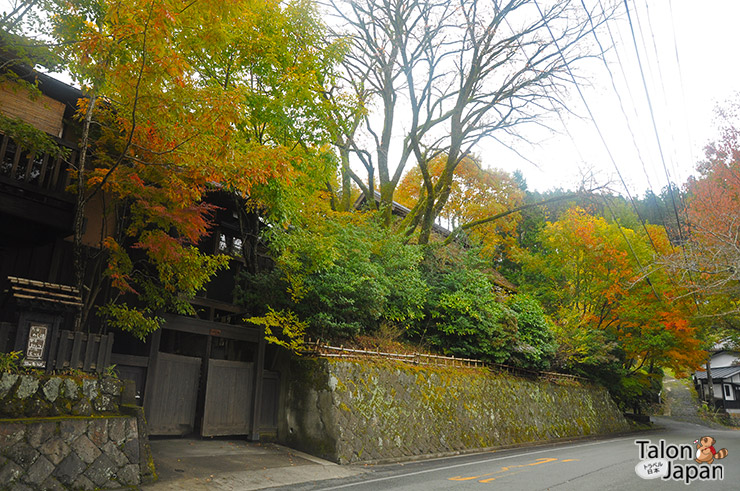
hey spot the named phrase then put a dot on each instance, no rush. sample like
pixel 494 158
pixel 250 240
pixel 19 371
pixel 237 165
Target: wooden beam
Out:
pixel 92 340
pixel 62 350
pixel 76 349
pixel 151 372
pixel 259 365
pixel 210 328
pixel 129 360
pixel 216 304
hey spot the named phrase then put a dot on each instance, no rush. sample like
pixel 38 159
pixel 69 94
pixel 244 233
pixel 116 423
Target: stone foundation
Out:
pixel 65 432
pixel 79 453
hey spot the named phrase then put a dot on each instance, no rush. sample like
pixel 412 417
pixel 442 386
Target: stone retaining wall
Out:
pixel 70 453
pixel 64 432
pixel 29 395
pixel 354 411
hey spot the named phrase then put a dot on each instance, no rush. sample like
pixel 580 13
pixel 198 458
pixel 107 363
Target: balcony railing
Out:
pixel 27 169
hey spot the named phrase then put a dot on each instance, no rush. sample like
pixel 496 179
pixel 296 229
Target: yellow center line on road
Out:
pixel 466 464
pixel 503 469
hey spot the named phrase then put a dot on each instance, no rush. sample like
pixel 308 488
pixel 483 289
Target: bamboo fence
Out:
pixel 317 348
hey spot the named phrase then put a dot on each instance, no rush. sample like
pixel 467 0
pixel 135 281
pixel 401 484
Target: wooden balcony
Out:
pixel 34 206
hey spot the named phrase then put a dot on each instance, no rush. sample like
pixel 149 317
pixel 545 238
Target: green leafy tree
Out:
pixel 535 347
pixel 345 275
pixel 463 313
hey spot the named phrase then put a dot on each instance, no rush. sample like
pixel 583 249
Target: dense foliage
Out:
pixel 346 275
pixel 181 99
pixel 244 97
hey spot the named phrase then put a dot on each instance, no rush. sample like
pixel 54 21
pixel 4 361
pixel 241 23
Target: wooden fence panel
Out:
pixel 270 401
pixel 174 393
pixel 81 351
pixel 229 398
pixel 5 330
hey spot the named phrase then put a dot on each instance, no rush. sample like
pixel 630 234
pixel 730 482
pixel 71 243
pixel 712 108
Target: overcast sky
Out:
pixel 684 89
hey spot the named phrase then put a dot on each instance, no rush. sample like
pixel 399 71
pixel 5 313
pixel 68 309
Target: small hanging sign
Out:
pixel 36 343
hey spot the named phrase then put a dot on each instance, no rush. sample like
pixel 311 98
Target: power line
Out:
pixel 632 250
pixel 621 104
pixel 652 118
pixel 596 125
pixel 660 147
pixel 661 82
pixel 616 91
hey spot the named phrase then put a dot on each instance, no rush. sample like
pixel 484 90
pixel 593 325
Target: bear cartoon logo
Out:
pixel 705 452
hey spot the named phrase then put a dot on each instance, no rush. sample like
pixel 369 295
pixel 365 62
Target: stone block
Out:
pixel 22 454
pixel 51 389
pixel 82 408
pixel 90 388
pixel 7 380
pixel 84 483
pixel 117 430
pixel 10 472
pixel 10 434
pixel 69 469
pixel 27 387
pixel 111 386
pixel 71 389
pixel 39 471
pixel 52 484
pixel 131 450
pixel 38 407
pixel 104 403
pixel 39 433
pixel 111 450
pixel 128 392
pixel 132 430
pixel 71 429
pixel 102 470
pixel 97 431
pixel 19 486
pixel 55 450
pixel 129 475
pixel 85 449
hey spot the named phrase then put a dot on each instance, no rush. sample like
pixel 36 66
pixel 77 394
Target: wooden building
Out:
pixel 206 374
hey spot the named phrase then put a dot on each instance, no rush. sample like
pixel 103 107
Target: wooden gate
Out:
pixel 228 403
pixel 174 395
pixel 204 377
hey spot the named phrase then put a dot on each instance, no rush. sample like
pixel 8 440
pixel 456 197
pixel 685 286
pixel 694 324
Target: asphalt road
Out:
pixel 589 465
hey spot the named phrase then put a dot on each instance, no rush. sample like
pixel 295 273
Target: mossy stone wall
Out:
pixel 61 432
pixel 37 395
pixel 354 411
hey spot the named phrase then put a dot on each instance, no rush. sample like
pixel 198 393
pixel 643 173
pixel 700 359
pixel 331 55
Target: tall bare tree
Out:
pixel 438 77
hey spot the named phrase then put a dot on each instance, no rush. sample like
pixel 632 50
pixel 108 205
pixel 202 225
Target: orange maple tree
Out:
pixel 476 193
pixel 612 305
pixel 182 99
pixel 708 263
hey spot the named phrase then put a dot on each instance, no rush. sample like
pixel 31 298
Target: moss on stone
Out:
pixel 434 409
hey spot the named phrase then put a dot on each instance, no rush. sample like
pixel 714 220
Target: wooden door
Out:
pixel 229 398
pixel 174 395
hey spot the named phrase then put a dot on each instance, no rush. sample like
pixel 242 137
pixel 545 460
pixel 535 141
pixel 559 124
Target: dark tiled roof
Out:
pixel 401 211
pixel 720 372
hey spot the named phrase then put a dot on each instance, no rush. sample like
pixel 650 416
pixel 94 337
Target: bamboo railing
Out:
pixel 317 348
